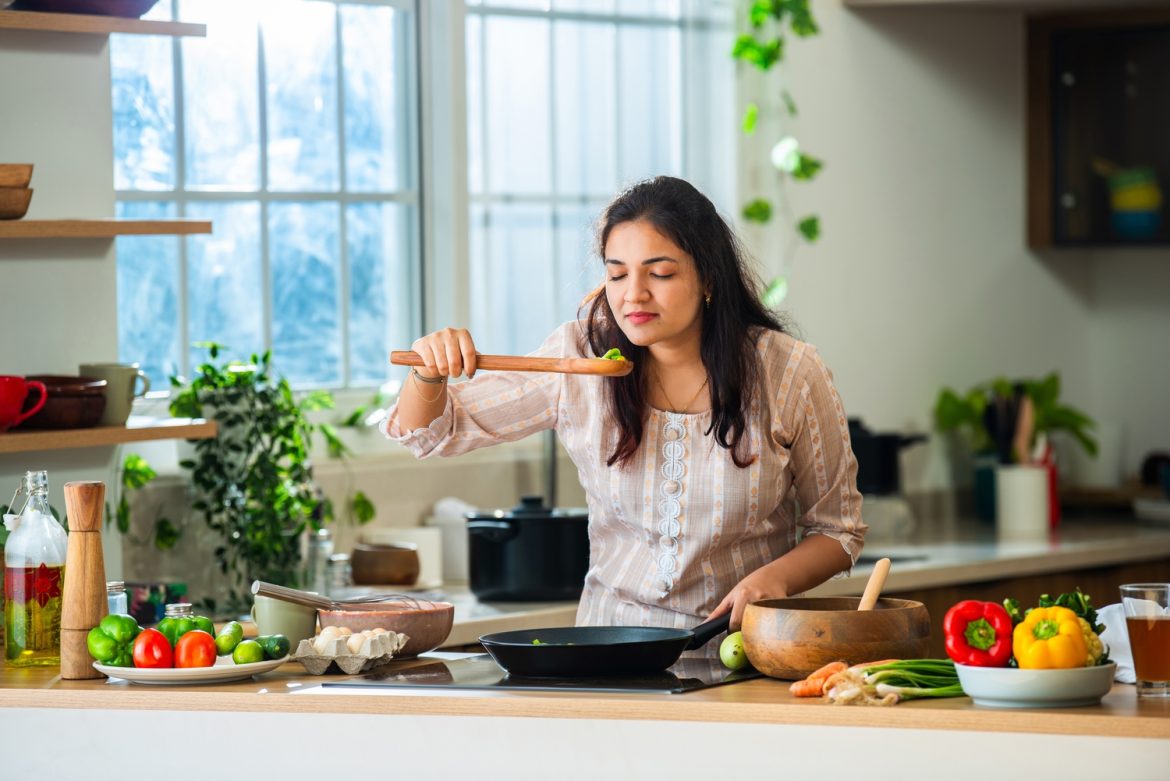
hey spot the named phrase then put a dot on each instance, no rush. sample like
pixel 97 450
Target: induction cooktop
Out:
pixel 481 672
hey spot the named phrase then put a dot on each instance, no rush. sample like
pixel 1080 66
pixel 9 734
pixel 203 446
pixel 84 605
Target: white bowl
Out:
pixel 1009 687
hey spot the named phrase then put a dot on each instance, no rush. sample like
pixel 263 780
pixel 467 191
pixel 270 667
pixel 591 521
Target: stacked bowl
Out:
pixel 15 193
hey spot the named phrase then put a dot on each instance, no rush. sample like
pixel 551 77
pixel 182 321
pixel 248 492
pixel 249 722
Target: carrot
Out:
pixel 813 685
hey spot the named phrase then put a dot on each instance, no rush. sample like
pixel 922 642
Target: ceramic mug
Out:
pixel 121 388
pixel 13 392
pixel 276 617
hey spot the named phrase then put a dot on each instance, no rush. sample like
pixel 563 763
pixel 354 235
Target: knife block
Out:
pixel 83 601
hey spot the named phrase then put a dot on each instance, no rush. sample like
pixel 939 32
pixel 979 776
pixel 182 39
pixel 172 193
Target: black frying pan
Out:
pixel 596 650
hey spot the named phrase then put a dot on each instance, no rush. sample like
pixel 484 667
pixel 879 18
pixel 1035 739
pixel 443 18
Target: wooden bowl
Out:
pixel 14 202
pixel 790 638
pixel 392 565
pixel 15 174
pixel 425 626
pixel 70 402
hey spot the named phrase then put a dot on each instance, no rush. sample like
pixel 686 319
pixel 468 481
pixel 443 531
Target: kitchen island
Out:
pixel 285 725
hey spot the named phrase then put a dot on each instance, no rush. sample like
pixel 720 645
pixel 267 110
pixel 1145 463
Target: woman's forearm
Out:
pixel 816 559
pixel 419 402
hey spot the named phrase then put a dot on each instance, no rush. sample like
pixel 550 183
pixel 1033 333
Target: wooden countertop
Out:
pixel 762 701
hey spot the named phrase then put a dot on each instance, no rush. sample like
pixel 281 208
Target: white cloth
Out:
pixel 1116 637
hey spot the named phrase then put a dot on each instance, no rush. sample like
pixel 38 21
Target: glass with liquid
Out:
pixel 1147 620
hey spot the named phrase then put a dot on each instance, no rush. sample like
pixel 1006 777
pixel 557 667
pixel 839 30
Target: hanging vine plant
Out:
pixel 763 47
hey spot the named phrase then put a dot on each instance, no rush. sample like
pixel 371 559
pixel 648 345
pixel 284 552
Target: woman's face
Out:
pixel 652 286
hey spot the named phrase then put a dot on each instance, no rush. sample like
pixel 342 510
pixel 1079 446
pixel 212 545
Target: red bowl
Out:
pixel 70 402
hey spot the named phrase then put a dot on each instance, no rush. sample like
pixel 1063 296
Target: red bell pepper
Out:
pixel 978 634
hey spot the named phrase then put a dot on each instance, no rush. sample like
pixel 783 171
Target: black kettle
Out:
pixel 878 471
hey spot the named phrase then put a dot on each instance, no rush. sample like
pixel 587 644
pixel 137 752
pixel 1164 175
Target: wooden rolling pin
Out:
pixel 519 363
pixel 83 599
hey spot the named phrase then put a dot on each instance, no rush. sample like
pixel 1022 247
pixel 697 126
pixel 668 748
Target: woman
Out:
pixel 702 463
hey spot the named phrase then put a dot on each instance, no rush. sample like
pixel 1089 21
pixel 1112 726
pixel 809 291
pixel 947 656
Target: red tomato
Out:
pixel 152 649
pixel 195 649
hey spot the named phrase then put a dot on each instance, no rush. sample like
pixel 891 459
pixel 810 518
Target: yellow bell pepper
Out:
pixel 1049 638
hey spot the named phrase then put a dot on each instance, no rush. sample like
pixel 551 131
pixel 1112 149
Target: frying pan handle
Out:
pixel 708 629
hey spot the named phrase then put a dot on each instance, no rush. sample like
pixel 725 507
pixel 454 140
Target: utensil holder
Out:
pixel 1021 502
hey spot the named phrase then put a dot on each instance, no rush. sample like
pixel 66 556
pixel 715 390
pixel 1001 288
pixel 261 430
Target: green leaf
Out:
pixel 802 21
pixel 122 520
pixel 136 472
pixel 166 534
pixel 759 210
pixel 810 228
pixel 760 12
pixel 750 115
pixel 806 167
pixel 789 103
pixel 762 55
pixel 775 293
pixel 363 508
pixel 317 400
pixel 354 418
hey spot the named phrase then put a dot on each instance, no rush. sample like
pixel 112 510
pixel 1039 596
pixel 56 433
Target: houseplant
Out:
pixel 967 415
pixel 763 46
pixel 253 483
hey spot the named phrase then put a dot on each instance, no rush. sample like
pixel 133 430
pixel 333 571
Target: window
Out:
pixel 568 101
pixel 292 127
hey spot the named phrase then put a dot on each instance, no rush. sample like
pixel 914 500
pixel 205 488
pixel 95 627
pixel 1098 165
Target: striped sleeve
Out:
pixel 823 465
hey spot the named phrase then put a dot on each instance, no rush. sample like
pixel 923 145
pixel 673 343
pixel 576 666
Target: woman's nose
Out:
pixel 636 290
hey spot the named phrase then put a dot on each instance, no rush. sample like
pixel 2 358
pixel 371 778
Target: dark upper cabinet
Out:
pixel 1099 129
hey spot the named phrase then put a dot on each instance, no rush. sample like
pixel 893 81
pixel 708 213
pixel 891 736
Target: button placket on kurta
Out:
pixel 670 490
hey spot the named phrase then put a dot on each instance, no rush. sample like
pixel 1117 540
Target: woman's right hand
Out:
pixel 448 352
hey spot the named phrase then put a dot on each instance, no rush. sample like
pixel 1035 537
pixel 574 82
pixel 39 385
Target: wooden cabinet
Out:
pixel 1098 116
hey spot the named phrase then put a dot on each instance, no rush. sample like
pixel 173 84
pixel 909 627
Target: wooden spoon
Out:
pixel 873 587
pixel 519 363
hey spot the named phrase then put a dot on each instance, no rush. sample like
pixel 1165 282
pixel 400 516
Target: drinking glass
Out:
pixel 1147 619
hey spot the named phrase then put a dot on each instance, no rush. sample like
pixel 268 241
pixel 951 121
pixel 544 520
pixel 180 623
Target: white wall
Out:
pixel 922 278
pixel 57 298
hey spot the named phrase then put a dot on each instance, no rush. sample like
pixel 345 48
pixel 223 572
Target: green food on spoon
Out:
pixel 614 354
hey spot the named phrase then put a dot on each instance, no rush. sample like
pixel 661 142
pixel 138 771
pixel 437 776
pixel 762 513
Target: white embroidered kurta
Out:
pixel 672 532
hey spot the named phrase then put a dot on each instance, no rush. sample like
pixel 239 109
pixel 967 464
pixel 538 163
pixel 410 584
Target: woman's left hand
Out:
pixel 761 584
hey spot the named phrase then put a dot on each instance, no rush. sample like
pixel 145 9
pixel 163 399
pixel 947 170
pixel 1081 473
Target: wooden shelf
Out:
pixel 99 229
pixel 137 429
pixel 96 25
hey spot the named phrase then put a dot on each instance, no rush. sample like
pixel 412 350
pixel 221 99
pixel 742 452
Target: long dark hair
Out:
pixel 688 218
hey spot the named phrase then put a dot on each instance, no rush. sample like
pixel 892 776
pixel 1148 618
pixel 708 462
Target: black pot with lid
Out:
pixel 531 553
pixel 878 469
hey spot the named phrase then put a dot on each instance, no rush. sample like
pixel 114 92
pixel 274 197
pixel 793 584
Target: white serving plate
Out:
pixel 1009 687
pixel 223 671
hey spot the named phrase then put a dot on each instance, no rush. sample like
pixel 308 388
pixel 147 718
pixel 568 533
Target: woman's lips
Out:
pixel 637 318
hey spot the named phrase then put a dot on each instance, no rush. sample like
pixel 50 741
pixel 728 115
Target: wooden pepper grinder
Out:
pixel 83 603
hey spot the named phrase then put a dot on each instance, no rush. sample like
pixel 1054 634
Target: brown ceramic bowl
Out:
pixel 426 627
pixel 392 565
pixel 14 202
pixel 70 402
pixel 15 174
pixel 790 638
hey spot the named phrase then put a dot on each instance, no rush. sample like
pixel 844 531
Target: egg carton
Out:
pixel 350 654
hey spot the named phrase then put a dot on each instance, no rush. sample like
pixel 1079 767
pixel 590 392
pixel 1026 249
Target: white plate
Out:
pixel 223 671
pixel 1009 687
